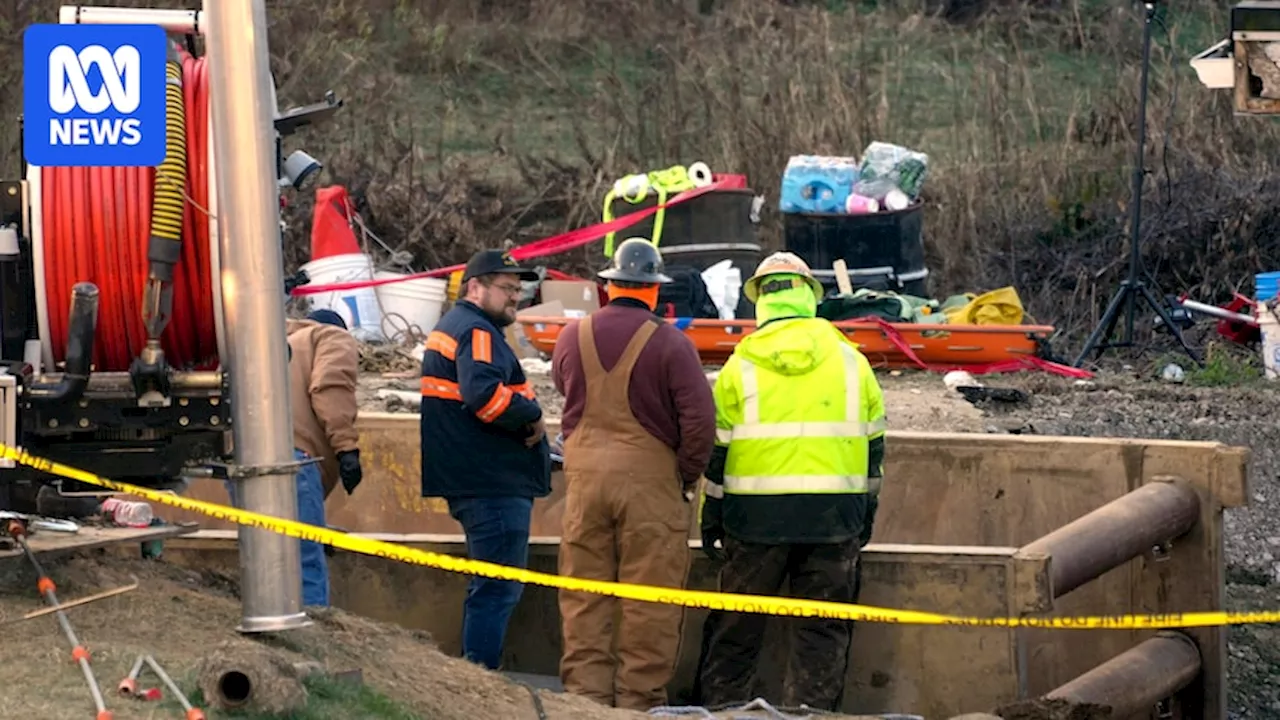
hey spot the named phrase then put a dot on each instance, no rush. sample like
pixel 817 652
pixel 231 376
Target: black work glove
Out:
pixel 349 470
pixel 713 529
pixel 868 520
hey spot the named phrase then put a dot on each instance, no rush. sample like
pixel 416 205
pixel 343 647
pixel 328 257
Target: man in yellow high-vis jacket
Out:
pixel 792 486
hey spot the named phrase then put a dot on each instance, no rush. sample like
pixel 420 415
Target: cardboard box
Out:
pixel 578 297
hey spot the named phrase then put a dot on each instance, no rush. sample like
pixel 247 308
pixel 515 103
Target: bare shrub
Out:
pixel 472 124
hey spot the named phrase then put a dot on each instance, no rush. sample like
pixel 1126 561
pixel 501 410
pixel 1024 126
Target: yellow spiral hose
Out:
pixel 165 247
pixel 171 175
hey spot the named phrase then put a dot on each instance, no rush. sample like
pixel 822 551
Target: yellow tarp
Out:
pixel 998 307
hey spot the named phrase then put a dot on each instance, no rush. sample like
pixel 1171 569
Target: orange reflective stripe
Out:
pixel 481 346
pixel 441 388
pixel 497 404
pixel 524 389
pixel 442 344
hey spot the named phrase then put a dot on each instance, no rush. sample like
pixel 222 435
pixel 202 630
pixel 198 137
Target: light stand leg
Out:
pixel 1107 323
pixel 1163 313
pixel 1134 285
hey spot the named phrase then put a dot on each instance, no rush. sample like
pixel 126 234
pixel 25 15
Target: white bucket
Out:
pixel 358 308
pixel 1270 328
pixel 410 309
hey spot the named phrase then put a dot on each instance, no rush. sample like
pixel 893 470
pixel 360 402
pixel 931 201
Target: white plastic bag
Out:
pixel 724 285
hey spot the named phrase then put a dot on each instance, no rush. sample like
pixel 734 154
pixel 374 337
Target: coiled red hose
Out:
pixel 97 223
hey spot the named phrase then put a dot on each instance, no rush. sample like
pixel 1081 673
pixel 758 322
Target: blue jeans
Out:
pixel 497 530
pixel 315 567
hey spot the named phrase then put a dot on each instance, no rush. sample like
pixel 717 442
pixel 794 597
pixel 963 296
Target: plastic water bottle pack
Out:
pixel 817 184
pixel 888 177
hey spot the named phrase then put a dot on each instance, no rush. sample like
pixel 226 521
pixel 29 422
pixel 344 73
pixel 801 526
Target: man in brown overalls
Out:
pixel 639 423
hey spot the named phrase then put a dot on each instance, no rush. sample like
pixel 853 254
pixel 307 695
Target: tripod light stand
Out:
pixel 1134 287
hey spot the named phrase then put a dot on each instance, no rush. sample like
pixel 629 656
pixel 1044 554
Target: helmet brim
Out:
pixel 623 276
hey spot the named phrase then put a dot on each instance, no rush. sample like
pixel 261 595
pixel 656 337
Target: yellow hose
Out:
pixel 165 247
pixel 171 175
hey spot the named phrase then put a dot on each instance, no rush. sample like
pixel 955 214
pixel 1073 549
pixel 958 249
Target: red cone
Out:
pixel 331 232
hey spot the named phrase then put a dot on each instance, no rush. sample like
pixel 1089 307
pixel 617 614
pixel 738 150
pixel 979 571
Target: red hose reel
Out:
pixel 95 226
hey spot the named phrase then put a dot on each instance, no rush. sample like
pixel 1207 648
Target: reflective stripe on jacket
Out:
pixel 797 408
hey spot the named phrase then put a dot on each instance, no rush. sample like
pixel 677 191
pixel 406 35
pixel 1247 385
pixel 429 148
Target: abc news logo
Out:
pixel 95 95
pixel 121 90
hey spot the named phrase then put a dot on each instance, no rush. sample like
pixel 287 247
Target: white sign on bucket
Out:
pixel 359 307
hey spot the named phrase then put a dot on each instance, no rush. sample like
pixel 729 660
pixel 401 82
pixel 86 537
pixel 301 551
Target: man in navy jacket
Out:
pixel 484 445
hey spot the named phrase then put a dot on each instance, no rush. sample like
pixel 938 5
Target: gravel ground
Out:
pixel 1114 404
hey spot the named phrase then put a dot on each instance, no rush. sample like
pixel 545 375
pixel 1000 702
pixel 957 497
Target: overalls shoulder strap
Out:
pixel 591 366
pixel 608 391
pixel 631 354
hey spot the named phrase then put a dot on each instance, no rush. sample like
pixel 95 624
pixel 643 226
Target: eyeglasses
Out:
pixel 508 289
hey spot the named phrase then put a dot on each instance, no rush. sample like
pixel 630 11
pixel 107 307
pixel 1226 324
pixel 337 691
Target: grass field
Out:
pixel 327 699
pixel 473 123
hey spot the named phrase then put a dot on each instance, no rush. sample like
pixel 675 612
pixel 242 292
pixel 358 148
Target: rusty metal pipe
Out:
pixel 1117 532
pixel 1137 679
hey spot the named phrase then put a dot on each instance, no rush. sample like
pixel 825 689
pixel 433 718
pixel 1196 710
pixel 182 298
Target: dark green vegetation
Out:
pixel 468 123
pixel 327 699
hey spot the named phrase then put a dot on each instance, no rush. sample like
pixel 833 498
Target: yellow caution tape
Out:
pixel 788 607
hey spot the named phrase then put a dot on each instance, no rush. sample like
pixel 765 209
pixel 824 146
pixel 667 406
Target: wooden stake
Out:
pixel 74 603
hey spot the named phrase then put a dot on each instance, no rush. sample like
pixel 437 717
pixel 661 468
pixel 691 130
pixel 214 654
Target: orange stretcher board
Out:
pixel 933 344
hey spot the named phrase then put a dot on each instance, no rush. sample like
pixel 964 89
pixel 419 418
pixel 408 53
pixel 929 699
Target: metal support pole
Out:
pixel 252 286
pixel 1117 532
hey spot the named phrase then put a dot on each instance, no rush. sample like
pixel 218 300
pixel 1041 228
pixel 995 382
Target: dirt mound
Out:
pixel 246 675
pixel 1040 709
pixel 388 357
pixel 179 616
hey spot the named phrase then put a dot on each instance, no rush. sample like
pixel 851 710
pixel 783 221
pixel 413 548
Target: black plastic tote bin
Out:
pixel 701 232
pixel 883 251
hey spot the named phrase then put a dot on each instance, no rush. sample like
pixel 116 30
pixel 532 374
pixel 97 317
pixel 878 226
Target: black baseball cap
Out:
pixel 495 261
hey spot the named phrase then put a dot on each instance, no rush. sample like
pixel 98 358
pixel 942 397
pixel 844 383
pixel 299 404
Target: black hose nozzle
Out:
pixel 82 329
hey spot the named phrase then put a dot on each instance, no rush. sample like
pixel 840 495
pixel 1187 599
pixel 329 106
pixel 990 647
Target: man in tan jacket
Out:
pixel 322 384
pixel 323 364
